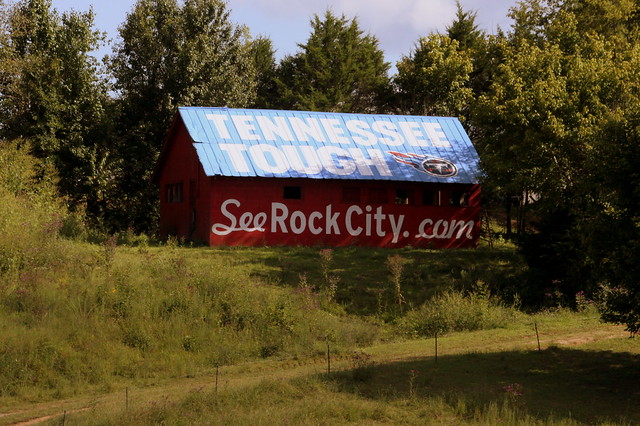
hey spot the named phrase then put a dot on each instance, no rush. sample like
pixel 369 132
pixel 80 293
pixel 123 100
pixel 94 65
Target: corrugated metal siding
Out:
pixel 268 143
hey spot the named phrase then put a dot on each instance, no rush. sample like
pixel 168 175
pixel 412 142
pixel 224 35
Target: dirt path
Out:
pixel 251 374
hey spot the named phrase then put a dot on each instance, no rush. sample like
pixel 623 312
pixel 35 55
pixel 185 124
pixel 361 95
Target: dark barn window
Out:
pixel 403 197
pixel 459 199
pixel 431 198
pixel 350 194
pixel 378 196
pixel 174 192
pixel 292 193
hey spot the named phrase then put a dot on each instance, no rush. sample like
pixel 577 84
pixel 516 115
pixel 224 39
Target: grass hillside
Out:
pixel 144 333
pixel 101 314
pixel 282 334
pixel 584 373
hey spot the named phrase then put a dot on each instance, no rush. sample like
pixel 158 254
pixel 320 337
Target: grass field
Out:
pixel 116 334
pixel 585 373
pixel 119 330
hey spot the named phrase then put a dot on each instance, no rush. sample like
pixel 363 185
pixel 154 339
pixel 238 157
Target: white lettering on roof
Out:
pixel 334 129
pixel 436 135
pixel 413 133
pixel 387 128
pixel 305 159
pixel 269 158
pixel 336 160
pixel 219 122
pixel 329 145
pixel 278 126
pixel 246 128
pixel 360 133
pixel 308 163
pixel 329 130
pixel 303 129
pixel 376 159
pixel 234 151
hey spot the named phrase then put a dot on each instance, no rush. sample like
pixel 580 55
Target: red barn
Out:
pixel 263 177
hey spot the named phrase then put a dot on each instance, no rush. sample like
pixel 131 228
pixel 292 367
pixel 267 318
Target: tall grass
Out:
pixel 313 400
pixel 75 315
pixel 458 311
pixel 151 313
pixel 30 214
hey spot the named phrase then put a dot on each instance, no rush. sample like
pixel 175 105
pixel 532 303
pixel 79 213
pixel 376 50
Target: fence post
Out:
pixel 436 344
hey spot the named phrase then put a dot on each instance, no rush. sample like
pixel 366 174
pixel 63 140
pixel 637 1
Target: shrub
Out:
pixel 457 311
pixel 30 214
pixel 362 366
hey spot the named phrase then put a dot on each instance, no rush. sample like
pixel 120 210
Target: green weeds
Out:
pixel 475 384
pixel 79 317
pixel 457 311
pixel 112 313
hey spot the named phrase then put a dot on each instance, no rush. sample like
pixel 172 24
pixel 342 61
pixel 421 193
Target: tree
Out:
pixel 54 96
pixel 446 72
pixel 547 102
pixel 169 56
pixel 520 124
pixel 464 29
pixel 612 224
pixel 265 65
pixel 434 79
pixel 563 76
pixel 339 69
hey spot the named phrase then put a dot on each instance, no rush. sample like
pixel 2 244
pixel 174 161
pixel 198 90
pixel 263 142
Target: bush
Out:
pixel 456 311
pixel 30 214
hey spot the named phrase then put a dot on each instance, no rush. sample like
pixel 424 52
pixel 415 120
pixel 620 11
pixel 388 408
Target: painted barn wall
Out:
pixel 239 205
pixel 184 191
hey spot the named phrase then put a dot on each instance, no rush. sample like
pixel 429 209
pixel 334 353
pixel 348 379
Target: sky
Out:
pixel 397 24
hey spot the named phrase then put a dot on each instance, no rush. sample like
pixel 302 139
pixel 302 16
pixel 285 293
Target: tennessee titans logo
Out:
pixel 434 166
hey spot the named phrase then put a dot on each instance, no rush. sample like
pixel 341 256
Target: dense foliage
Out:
pixel 555 130
pixel 170 55
pixel 31 215
pixel 552 104
pixel 339 69
pixel 53 95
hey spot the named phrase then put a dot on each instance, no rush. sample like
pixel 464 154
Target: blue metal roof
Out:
pixel 316 145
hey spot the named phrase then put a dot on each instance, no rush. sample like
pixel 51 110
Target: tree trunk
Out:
pixel 507 206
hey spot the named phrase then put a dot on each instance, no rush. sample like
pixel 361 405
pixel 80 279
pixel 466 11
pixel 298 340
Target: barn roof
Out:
pixel 270 143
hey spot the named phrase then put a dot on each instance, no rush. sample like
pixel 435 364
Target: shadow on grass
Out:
pixel 562 383
pixel 365 283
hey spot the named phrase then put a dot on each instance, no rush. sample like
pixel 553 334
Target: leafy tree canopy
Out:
pixel 53 93
pixel 434 79
pixel 339 69
pixel 464 29
pixel 170 55
pixel 265 64
pixel 552 124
